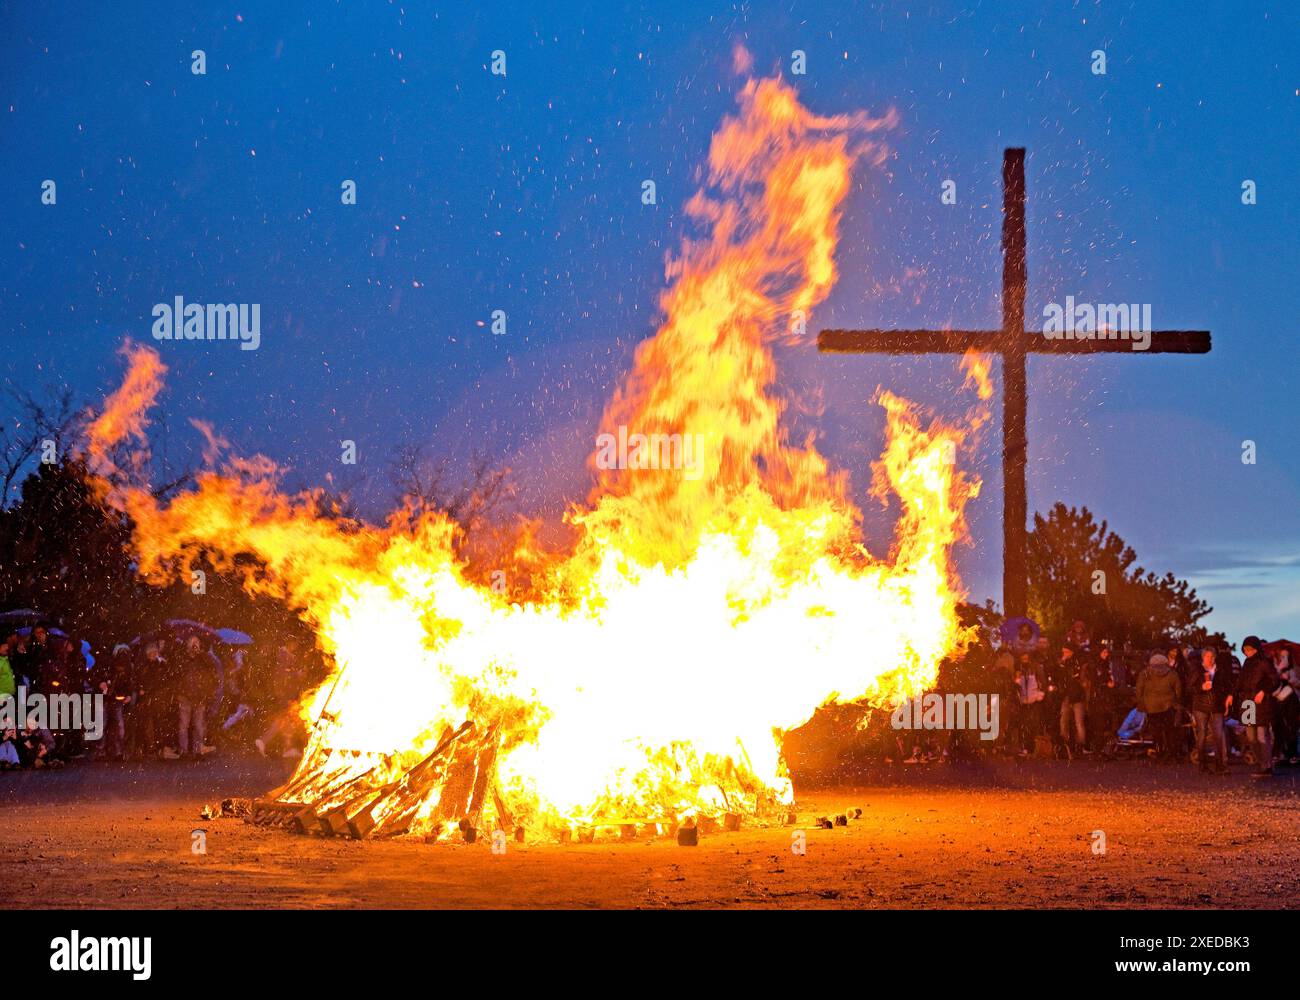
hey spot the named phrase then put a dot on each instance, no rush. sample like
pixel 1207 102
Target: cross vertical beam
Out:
pixel 1015 501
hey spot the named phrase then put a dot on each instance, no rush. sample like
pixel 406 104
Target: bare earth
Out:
pixel 1001 834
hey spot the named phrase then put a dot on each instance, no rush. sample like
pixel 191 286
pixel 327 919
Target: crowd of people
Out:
pixel 171 695
pixel 1084 698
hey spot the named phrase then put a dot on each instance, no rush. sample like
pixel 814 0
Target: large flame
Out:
pixel 705 608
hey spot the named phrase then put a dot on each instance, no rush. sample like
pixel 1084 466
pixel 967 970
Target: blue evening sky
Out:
pixel 478 193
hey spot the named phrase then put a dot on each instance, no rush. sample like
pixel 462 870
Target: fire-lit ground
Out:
pixel 1005 834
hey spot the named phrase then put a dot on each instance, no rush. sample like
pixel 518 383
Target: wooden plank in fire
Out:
pixel 469 776
pixel 438 768
pixel 389 809
pixel 342 764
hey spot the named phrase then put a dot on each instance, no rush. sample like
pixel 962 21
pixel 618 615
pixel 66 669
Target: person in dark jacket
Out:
pixel 55 671
pixel 1211 692
pixel 1186 670
pixel 1031 693
pixel 114 679
pixel 1105 667
pixel 1255 686
pixel 1286 707
pixel 1071 682
pixel 1107 704
pixel 1002 679
pixel 35 746
pixel 64 673
pixel 33 653
pixel 198 678
pixel 1159 691
pixel 150 702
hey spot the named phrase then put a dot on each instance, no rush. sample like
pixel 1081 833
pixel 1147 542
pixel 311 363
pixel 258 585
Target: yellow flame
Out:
pixel 650 669
pixel 977 369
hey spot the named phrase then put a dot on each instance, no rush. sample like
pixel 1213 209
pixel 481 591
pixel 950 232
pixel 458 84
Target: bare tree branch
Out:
pixel 56 417
pixel 428 486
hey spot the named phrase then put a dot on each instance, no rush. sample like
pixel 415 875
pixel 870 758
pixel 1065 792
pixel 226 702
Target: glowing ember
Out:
pixel 649 670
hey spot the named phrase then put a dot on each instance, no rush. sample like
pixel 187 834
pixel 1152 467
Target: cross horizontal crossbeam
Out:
pixel 990 342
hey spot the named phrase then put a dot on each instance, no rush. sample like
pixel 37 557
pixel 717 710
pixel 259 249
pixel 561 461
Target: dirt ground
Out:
pixel 1001 834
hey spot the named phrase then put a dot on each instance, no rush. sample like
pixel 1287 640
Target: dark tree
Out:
pixel 1079 569
pixel 68 555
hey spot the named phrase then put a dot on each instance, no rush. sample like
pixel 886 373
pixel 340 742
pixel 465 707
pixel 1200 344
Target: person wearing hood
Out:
pixel 1255 686
pixel 1159 691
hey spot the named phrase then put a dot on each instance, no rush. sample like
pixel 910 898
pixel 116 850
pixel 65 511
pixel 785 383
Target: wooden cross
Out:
pixel 1013 342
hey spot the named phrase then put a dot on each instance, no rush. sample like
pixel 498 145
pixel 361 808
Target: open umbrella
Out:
pixel 24 617
pixel 233 637
pixel 1010 632
pixel 85 646
pixel 183 628
pixel 1291 647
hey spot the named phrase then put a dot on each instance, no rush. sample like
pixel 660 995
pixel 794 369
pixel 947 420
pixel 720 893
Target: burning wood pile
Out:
pixel 455 790
pixel 348 793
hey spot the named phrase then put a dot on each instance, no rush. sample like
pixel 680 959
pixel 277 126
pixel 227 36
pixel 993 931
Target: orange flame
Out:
pixel 718 591
pixel 124 417
pixel 977 369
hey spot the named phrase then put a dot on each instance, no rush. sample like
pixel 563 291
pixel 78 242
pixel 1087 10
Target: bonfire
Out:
pixel 641 677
